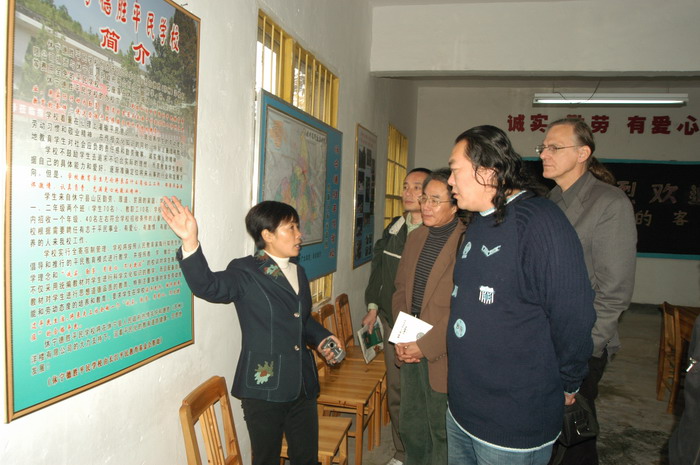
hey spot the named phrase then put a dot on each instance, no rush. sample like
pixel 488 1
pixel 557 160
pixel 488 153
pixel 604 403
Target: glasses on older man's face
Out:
pixel 433 202
pixel 552 148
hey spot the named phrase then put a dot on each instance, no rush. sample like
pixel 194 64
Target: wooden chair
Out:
pixel 343 322
pixel 677 326
pixel 332 440
pixel 350 389
pixel 200 406
pixel 686 317
pixel 375 368
pixel 670 355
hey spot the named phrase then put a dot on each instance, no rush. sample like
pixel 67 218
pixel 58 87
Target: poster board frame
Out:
pixel 364 193
pixel 61 93
pixel 292 141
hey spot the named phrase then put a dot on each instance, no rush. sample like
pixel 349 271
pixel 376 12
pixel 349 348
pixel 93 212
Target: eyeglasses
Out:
pixel 433 202
pixel 552 148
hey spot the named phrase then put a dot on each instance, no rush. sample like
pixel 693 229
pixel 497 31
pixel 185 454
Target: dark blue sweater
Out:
pixel 520 326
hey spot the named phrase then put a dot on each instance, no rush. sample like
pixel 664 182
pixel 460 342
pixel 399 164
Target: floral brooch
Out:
pixel 272 269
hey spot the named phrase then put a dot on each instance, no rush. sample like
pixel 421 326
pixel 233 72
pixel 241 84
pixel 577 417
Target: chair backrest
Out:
pixel 686 320
pixel 200 407
pixel 671 325
pixel 326 316
pixel 343 320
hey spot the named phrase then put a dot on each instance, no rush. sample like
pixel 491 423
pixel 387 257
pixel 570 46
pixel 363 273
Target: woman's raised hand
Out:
pixel 181 221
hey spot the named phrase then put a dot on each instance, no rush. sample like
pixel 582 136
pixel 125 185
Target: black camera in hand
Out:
pixel 336 350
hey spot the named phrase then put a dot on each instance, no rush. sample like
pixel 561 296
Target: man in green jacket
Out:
pixel 380 289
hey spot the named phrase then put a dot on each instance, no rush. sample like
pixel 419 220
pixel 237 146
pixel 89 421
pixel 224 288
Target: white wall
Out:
pixel 446 108
pixel 537 37
pixel 133 419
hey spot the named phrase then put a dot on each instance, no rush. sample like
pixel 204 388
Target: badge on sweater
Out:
pixel 264 372
pixel 488 252
pixel 486 295
pixel 466 250
pixel 460 328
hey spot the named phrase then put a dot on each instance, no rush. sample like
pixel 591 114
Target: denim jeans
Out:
pixel 463 450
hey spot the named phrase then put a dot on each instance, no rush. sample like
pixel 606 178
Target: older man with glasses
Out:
pixel 603 218
pixel 423 289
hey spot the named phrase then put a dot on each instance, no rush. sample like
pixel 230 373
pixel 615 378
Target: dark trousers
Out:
pixel 684 445
pixel 393 381
pixel 266 421
pixel 422 427
pixel 586 452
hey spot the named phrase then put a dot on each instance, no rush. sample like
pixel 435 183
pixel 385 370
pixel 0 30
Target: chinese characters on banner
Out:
pixel 365 179
pixel 103 125
pixel 661 124
pixel 666 200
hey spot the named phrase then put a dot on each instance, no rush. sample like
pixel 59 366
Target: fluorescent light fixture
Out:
pixel 610 99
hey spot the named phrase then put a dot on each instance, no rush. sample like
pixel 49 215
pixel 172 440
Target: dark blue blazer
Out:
pixel 276 325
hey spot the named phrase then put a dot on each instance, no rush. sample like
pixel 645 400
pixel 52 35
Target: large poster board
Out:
pixel 300 165
pixel 365 181
pixel 102 105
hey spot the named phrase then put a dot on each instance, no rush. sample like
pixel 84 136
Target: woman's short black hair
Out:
pixel 268 214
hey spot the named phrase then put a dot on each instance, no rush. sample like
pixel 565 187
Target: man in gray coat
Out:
pixel 604 220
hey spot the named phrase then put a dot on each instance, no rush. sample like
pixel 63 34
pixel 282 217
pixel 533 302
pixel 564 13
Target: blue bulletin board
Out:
pixel 102 124
pixel 300 165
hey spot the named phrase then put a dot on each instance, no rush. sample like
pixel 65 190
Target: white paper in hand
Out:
pixel 408 328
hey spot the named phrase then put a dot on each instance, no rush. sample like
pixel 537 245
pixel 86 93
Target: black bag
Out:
pixel 579 423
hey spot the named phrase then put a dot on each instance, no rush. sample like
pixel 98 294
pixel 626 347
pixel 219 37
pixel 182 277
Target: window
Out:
pixel 288 71
pixel 397 159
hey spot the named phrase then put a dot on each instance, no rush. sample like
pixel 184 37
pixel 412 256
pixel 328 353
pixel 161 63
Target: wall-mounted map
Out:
pixel 295 170
pixel 300 165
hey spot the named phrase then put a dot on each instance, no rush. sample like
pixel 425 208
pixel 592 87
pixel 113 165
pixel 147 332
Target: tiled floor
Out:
pixel 634 425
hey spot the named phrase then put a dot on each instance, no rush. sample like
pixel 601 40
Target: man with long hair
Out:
pixel 519 333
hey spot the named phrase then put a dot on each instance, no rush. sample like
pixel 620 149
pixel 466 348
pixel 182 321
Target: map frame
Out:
pixel 318 255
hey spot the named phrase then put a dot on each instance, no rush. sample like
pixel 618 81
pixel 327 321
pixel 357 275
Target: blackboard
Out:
pixel 666 200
